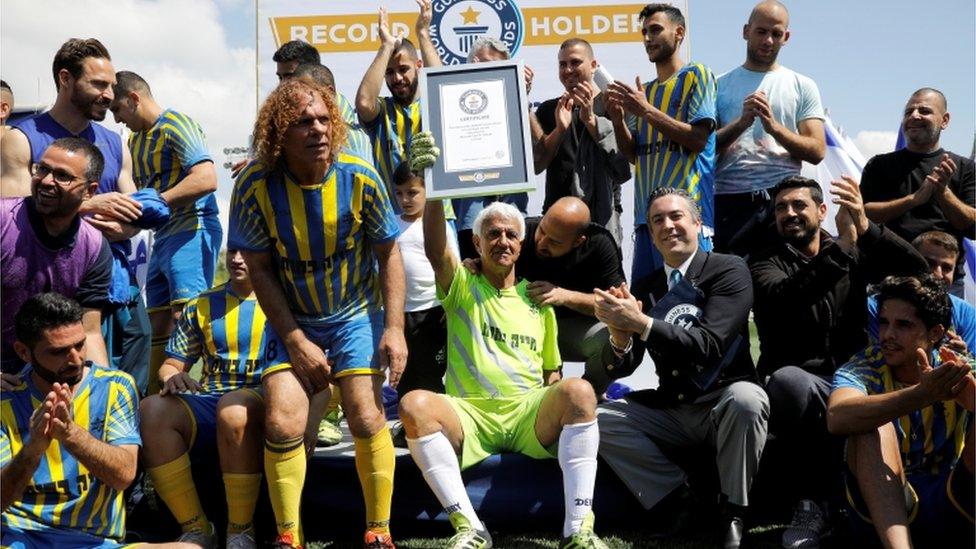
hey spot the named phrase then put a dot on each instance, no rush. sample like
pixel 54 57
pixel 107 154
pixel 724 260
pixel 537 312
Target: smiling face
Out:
pixel 576 65
pixel 924 119
pixel 661 37
pixel 674 228
pixel 901 332
pixel 308 140
pixel 798 216
pixel 498 244
pixel 91 93
pixel 942 262
pixel 402 77
pixel 61 198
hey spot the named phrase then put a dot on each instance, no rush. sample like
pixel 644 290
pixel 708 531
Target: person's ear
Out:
pixel 22 351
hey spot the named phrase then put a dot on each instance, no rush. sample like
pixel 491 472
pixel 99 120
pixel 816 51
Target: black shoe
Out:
pixel 679 512
pixel 734 530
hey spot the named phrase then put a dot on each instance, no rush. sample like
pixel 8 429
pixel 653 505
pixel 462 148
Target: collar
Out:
pixel 683 268
pixel 65 240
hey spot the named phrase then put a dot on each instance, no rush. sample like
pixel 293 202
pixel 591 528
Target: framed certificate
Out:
pixel 478 115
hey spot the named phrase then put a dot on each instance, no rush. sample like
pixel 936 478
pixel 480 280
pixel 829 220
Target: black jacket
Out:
pixel 683 355
pixel 812 312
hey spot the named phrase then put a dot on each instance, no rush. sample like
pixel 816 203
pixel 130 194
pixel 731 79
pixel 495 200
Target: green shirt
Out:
pixel 498 341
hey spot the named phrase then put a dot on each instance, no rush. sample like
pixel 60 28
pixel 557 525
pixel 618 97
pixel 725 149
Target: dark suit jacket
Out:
pixel 682 355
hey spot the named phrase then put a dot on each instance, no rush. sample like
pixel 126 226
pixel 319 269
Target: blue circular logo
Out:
pixel 457 24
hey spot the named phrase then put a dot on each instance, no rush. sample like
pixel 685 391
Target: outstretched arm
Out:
pixel 369 89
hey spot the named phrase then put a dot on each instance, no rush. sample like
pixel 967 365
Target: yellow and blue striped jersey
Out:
pixel 161 157
pixel 391 132
pixel 319 235
pixel 688 96
pixel 932 437
pixel 63 493
pixel 227 332
pixel 357 140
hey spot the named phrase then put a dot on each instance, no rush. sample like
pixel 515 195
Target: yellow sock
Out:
pixel 375 460
pixel 242 497
pixel 157 354
pixel 284 465
pixel 174 483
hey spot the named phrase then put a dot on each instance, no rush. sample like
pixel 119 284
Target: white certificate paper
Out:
pixel 475 126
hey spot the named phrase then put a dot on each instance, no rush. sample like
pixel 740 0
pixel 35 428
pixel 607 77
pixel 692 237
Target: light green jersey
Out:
pixel 498 341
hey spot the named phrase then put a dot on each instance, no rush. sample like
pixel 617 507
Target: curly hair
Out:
pixel 282 109
pixel 927 294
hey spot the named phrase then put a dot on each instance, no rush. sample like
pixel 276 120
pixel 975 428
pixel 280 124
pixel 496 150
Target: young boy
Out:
pixel 425 328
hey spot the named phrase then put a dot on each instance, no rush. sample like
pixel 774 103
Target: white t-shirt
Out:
pixel 755 161
pixel 421 291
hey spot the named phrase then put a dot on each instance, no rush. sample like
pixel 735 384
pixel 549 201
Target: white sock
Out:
pixel 435 458
pixel 578 445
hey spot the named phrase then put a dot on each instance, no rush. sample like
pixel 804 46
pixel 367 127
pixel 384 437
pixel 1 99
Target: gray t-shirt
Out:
pixel 755 161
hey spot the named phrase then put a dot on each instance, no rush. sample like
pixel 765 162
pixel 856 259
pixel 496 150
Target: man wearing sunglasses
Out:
pixel 45 247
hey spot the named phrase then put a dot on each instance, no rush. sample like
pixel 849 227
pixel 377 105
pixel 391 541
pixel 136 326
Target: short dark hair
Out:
pixel 406 46
pixel 571 42
pixel 673 13
pixel 403 175
pixel 5 86
pixel 798 182
pixel 317 72
pixel 43 312
pixel 128 81
pixel 661 192
pixel 927 294
pixel 96 162
pixel 297 50
pixel 73 53
pixel 921 91
pixel 938 238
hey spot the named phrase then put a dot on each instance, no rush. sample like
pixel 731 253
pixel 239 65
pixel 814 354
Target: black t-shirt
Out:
pixel 897 174
pixel 596 263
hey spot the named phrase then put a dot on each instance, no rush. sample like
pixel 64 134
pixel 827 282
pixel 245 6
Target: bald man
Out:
pixel 923 187
pixel 566 257
pixel 6 103
pixel 770 121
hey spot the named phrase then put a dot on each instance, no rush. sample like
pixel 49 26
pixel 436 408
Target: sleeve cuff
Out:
pixel 647 329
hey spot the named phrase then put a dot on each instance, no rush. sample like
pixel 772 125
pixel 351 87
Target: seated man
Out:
pixel 906 406
pixel 941 252
pixel 222 412
pixel 503 388
pixel 693 324
pixel 69 436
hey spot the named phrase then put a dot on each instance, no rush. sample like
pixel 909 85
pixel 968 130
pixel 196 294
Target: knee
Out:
pixel 285 419
pixel 578 395
pixel 749 404
pixel 415 406
pixel 237 414
pixel 156 413
pixel 364 415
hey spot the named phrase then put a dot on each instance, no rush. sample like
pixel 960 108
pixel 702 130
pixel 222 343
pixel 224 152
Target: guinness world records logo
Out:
pixel 457 24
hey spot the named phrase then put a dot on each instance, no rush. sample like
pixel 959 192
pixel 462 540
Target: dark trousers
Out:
pixel 810 456
pixel 426 334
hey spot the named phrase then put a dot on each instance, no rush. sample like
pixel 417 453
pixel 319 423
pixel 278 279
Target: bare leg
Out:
pixel 875 460
pixel 568 402
pixel 166 429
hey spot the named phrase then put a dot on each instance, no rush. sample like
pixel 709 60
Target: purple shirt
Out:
pixel 77 264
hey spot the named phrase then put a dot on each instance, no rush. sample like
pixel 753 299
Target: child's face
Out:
pixel 411 197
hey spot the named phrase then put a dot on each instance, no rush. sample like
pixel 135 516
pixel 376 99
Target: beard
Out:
pixel 93 108
pixel 64 376
pixel 923 136
pixel 665 52
pixel 800 238
pixel 404 97
pixel 759 59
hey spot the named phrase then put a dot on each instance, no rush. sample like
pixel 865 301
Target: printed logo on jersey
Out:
pixel 457 24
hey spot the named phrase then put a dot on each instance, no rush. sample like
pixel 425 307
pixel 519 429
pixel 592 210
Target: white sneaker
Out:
pixel 806 527
pixel 206 540
pixel 241 540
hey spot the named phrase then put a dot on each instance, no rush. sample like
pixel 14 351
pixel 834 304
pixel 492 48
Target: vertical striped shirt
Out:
pixel 319 235
pixel 931 438
pixel 161 157
pixel 63 493
pixel 357 140
pixel 498 341
pixel 688 96
pixel 226 331
pixel 391 132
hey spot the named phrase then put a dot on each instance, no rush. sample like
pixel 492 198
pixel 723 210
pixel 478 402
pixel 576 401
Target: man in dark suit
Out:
pixel 690 315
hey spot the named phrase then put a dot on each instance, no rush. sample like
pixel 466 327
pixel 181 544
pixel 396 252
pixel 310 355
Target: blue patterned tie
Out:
pixel 674 279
